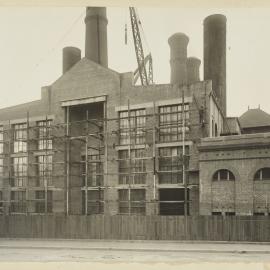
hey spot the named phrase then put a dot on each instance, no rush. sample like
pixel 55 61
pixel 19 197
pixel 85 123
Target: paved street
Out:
pixel 130 251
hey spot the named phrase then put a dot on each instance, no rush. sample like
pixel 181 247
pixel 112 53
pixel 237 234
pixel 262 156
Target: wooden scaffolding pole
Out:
pixel 67 159
pixel 184 165
pixel 184 154
pixel 10 134
pixel 105 143
pixel 154 152
pixel 86 164
pixel 129 154
pixel 46 164
pixel 97 176
pixel 27 164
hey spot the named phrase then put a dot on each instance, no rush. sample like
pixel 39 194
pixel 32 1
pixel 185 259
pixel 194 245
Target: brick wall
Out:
pixel 88 79
pixel 243 156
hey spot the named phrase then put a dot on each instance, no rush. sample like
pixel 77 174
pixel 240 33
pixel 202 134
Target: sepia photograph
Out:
pixel 134 135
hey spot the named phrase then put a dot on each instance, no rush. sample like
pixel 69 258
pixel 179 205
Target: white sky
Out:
pixel 32 40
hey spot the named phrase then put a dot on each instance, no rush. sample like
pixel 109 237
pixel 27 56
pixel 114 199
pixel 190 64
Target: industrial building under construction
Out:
pixel 97 143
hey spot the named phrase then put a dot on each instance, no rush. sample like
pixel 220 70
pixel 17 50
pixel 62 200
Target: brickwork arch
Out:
pixel 260 191
pixel 226 167
pixel 222 193
pixel 260 164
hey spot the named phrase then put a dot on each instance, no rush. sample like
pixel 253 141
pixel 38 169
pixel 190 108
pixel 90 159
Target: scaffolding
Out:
pixel 75 166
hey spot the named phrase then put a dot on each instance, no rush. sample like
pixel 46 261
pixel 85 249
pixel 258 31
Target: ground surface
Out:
pixel 19 250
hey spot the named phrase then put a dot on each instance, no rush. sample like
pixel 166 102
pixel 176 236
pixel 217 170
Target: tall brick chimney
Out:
pixel 193 69
pixel 215 55
pixel 96 35
pixel 71 55
pixel 178 61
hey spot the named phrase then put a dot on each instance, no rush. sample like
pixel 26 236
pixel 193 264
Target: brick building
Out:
pixel 235 170
pixel 234 175
pixel 95 143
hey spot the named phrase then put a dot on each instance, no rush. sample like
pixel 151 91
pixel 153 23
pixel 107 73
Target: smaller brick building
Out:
pixel 235 175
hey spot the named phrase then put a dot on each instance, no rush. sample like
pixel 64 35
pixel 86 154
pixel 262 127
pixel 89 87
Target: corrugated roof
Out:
pixel 254 118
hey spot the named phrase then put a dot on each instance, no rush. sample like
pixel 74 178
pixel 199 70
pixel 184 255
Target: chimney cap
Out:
pixel 215 18
pixel 101 11
pixel 193 59
pixel 178 37
pixel 72 49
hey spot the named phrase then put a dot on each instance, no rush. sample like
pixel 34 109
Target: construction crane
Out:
pixel 146 75
pixel 147 59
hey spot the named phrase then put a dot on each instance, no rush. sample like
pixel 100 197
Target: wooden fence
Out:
pixel 211 228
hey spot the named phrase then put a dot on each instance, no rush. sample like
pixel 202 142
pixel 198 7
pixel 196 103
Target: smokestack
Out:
pixel 193 69
pixel 215 55
pixel 96 35
pixel 178 45
pixel 71 55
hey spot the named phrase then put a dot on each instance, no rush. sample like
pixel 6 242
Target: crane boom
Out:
pixel 147 59
pixel 145 78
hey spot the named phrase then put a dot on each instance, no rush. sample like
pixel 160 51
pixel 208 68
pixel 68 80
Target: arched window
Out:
pixel 262 174
pixel 223 175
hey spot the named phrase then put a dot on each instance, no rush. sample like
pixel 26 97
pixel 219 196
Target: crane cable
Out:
pixel 125 34
pixel 50 51
pixel 62 38
pixel 126 39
